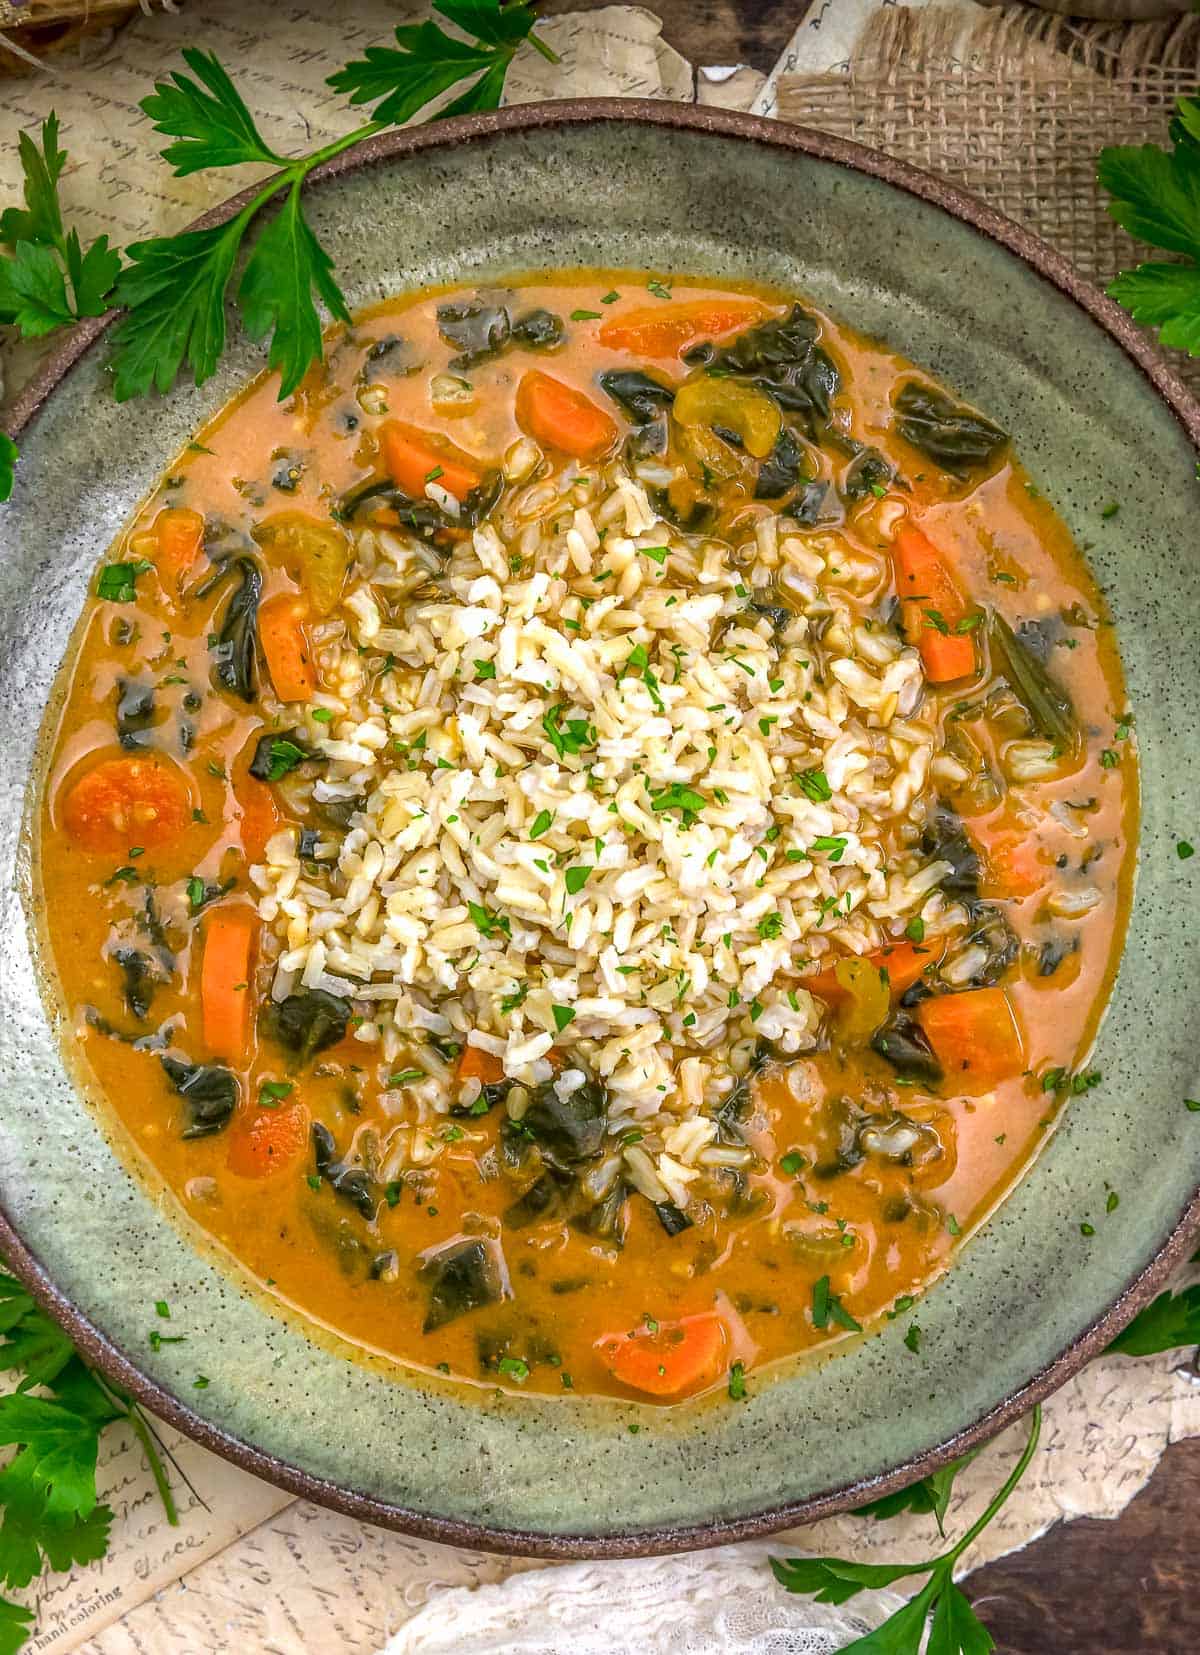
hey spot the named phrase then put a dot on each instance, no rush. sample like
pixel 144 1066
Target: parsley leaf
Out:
pixel 428 61
pixel 929 1496
pixel 41 219
pixel 1156 198
pixel 209 118
pixel 276 292
pixel 8 463
pixel 1173 1319
pixel 954 1629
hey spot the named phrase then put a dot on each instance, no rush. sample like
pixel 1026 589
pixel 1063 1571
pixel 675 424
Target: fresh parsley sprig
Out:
pixel 52 1516
pixel 954 1628
pixel 1170 1321
pixel 1156 197
pixel 175 289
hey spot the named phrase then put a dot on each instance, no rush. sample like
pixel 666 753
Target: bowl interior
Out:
pixel 632 191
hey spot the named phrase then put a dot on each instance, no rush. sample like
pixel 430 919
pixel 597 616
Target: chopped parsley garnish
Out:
pixel 272 1092
pixel 284 756
pixel 118 581
pixel 609 298
pixel 770 926
pixel 488 923
pixel 485 669
pixel 391 1192
pixel 912 1338
pixel 915 929
pixel 833 844
pixel 562 1016
pixel 737 1382
pixel 827 1307
pixel 814 784
pixel 1108 759
pixel 321 714
pixel 793 1162
pixel 571 738
pixel 660 289
pixel 541 823
pixel 686 800
pixel 405 1077
pixel 514 1367
pixel 585 315
pixel 656 554
pixel 510 1002
pixel 1183 850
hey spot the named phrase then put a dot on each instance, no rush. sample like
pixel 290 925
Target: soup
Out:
pixel 588 846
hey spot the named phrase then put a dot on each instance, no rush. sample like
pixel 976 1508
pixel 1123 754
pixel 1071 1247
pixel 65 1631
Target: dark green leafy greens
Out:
pixel 235 650
pixel 940 1608
pixel 209 1092
pixel 484 331
pixel 52 1515
pixel 352 1183
pixel 305 1024
pixel 955 436
pixel 460 1277
pixel 781 357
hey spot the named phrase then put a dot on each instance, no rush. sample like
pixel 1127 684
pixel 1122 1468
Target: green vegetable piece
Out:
pixel 949 432
pixel 1048 705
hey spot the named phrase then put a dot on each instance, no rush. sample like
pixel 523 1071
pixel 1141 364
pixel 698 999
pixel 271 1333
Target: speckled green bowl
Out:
pixel 996 315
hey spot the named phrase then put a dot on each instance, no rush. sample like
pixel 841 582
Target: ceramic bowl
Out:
pixel 1002 319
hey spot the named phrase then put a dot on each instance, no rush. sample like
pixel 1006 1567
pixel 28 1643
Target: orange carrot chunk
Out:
pixel 415 458
pixel 559 416
pixel 476 1064
pixel 281 632
pixel 1012 860
pixel 226 993
pixel 974 1037
pixel 667 1358
pixel 669 329
pixel 126 802
pixel 267 1140
pixel 931 607
pixel 180 534
pixel 260 817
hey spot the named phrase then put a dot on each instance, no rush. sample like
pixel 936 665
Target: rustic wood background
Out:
pixel 1129 1587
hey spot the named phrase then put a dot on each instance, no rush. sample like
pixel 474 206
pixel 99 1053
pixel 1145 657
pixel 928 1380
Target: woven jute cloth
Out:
pixel 1014 106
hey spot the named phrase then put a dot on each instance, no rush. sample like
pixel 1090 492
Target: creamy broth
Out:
pixel 845 1157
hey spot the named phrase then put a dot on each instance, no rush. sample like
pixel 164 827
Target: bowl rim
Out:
pixel 111 1360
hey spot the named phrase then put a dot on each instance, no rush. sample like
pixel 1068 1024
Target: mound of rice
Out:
pixel 611 797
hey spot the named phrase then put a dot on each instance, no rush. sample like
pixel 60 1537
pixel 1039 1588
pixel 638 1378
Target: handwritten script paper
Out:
pixel 250 1570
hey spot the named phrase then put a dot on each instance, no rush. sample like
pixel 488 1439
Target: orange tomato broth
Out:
pixel 574 1300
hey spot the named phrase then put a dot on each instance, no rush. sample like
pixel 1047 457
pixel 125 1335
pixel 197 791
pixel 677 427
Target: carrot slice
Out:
pixel 667 330
pixel 1012 862
pixel 974 1037
pixel 260 817
pixel 559 416
pixel 667 1358
pixel 285 645
pixel 931 607
pixel 125 802
pixel 226 994
pixel 415 458
pixel 180 535
pixel 476 1064
pixel 267 1140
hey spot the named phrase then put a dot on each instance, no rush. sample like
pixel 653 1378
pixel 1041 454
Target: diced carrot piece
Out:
pixel 123 802
pixel 265 1141
pixel 974 1037
pixel 260 816
pixel 226 992
pixel 476 1064
pixel 931 607
pixel 559 416
pixel 285 644
pixel 1012 863
pixel 180 535
pixel 670 328
pixel 667 1358
pixel 415 458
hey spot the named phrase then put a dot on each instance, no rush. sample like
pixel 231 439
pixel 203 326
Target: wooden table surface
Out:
pixel 1129 1587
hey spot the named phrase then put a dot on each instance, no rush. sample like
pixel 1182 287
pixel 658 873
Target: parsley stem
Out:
pixel 1006 1488
pixel 142 1431
pixel 539 45
pixel 328 151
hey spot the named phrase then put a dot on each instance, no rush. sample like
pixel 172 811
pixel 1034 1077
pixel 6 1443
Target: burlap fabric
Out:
pixel 1014 106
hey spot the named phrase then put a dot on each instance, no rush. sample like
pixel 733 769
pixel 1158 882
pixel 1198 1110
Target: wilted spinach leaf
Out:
pixel 276 754
pixel 539 330
pixel 139 979
pixel 951 433
pixel 642 398
pixel 903 1043
pixel 351 1183
pixel 782 469
pixel 135 712
pixel 461 1277
pixel 306 1023
pixel 867 473
pixel 567 1130
pixel 209 1092
pixel 234 654
pixel 1049 706
pixel 782 357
